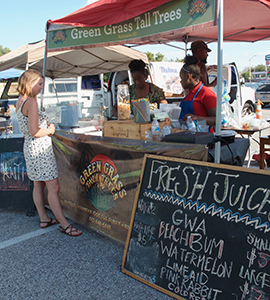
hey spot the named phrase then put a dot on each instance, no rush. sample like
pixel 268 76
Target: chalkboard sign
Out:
pixel 200 231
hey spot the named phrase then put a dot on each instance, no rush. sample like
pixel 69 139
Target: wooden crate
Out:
pixel 127 129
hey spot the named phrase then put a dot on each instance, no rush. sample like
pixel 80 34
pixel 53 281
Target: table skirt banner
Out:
pixel 99 177
pixel 15 187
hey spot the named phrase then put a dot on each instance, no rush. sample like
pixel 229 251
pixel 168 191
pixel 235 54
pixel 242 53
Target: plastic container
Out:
pixel 123 102
pixel 156 135
pixel 191 125
pixel 166 130
pixel 15 125
pixel 155 126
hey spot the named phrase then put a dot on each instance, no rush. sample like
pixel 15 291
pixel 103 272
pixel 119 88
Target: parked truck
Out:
pixel 68 102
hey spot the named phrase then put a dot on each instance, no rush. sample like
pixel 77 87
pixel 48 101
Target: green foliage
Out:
pixel 152 57
pixel 4 50
pixel 160 57
pixel 177 60
pixel 259 68
pixel 106 77
pixel 245 75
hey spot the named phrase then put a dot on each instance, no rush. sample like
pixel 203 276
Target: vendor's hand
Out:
pixel 211 68
pixel 193 117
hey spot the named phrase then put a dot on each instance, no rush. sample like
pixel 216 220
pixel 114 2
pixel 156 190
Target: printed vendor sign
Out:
pixel 99 177
pixel 167 17
pixel 13 172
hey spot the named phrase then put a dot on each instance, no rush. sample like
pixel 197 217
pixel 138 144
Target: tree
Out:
pixel 179 59
pixel 245 75
pixel 259 68
pixel 4 50
pixel 176 59
pixel 154 57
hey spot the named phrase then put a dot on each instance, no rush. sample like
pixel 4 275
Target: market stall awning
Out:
pixel 244 20
pixel 164 21
pixel 106 12
pixel 79 62
pixel 26 54
pixel 71 63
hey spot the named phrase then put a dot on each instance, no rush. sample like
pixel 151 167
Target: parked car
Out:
pixel 263 93
pixel 253 85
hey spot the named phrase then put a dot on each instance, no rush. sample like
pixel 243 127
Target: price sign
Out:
pixel 200 231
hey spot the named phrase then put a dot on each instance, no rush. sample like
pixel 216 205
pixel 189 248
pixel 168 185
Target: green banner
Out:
pixel 167 17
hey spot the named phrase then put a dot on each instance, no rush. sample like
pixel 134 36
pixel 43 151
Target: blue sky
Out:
pixel 23 21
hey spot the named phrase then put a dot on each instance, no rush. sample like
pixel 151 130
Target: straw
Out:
pixel 141 110
pixel 197 125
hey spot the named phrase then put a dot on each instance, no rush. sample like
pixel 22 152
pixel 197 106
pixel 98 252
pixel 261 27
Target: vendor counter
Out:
pixel 99 176
pixel 15 186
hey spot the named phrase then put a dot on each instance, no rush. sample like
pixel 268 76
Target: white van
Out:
pixel 242 98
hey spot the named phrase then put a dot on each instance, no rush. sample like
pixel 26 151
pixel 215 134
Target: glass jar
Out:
pixel 123 102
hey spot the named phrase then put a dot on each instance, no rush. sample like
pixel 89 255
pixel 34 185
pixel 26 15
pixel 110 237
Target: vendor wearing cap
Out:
pixel 200 103
pixel 200 51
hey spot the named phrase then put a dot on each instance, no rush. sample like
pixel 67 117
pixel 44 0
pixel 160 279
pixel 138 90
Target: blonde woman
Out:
pixel 38 152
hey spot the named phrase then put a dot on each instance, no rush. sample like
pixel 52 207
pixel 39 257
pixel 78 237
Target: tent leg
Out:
pixel 185 40
pixel 219 79
pixel 44 71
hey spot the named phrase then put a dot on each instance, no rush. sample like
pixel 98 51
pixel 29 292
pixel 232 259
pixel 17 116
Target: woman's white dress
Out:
pixel 38 151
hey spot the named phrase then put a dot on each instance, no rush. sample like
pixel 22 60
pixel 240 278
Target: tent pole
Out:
pixel 219 80
pixel 185 40
pixel 44 70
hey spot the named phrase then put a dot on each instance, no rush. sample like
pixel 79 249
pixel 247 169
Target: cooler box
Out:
pixel 190 138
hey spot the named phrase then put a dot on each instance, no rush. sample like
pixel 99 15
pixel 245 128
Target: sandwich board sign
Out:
pixel 200 230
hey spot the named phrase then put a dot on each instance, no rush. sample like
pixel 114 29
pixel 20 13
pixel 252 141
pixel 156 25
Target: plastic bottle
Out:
pixel 191 125
pixel 155 130
pixel 167 128
pixel 155 126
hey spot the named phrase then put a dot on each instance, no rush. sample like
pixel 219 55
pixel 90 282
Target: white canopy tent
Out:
pixel 71 63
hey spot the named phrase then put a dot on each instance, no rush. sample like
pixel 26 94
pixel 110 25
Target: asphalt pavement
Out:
pixel 45 264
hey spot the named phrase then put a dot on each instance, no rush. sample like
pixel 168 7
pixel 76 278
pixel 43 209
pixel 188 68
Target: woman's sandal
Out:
pixel 48 223
pixel 70 230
